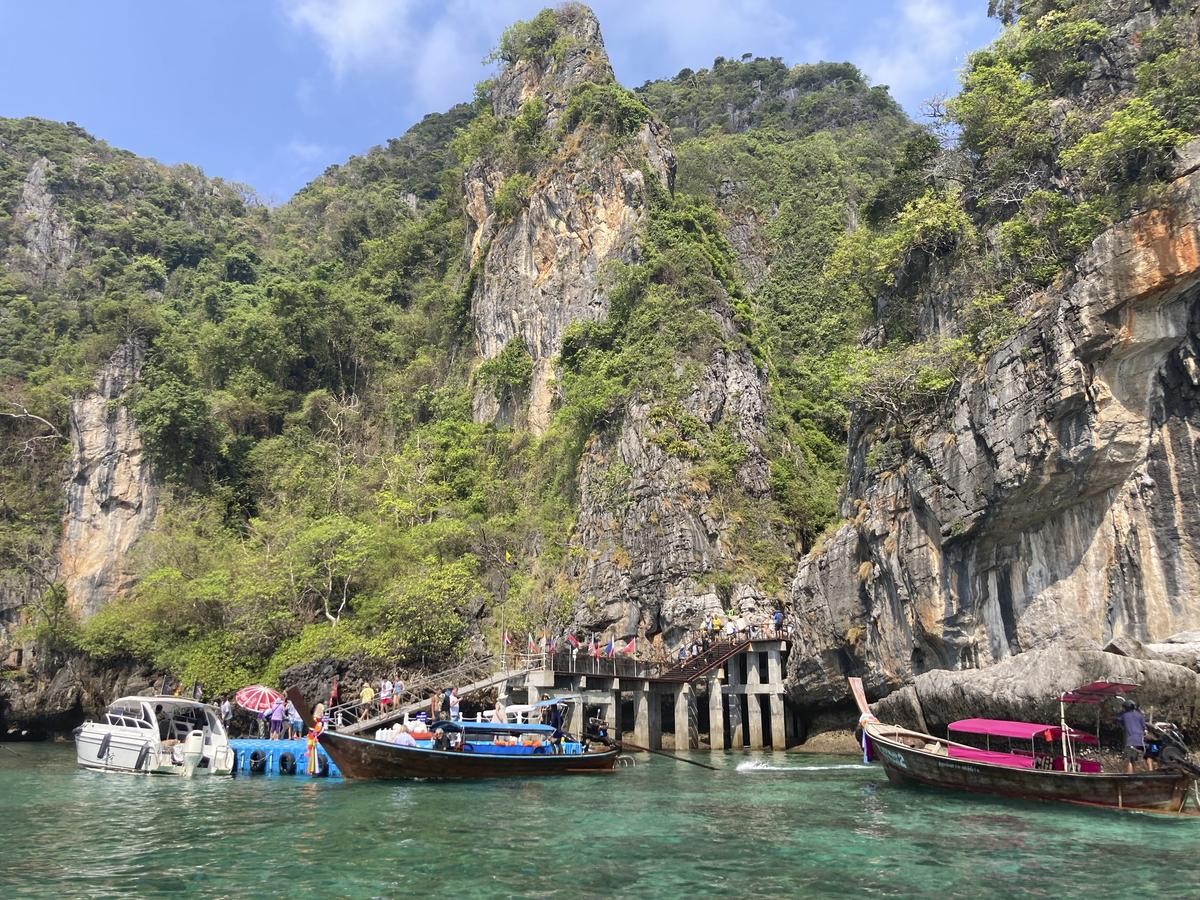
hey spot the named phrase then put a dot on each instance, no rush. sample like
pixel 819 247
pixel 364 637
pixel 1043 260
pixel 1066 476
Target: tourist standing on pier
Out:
pixel 385 695
pixel 276 717
pixel 455 714
pixel 366 699
pixel 295 725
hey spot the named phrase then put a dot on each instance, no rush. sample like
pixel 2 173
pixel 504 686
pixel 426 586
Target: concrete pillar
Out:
pixel 754 720
pixel 614 713
pixel 716 714
pixel 655 709
pixel 778 723
pixel 574 720
pixel 754 702
pixel 685 719
pixel 775 669
pixel 641 716
pixel 737 733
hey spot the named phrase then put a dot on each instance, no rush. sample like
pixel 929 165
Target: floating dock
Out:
pixel 279 758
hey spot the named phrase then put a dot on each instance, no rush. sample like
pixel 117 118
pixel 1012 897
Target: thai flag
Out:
pixel 630 647
pixel 608 648
pixel 572 640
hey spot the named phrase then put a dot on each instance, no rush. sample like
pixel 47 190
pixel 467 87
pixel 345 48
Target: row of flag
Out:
pixel 593 647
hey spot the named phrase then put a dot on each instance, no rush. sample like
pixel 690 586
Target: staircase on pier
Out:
pixel 695 667
pixel 350 709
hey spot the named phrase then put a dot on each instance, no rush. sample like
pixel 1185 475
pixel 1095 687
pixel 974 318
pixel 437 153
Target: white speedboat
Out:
pixel 156 736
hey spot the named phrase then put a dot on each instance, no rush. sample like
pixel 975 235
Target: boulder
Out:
pixel 1026 688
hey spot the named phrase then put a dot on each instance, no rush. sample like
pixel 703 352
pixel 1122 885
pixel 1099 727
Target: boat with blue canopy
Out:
pixel 464 749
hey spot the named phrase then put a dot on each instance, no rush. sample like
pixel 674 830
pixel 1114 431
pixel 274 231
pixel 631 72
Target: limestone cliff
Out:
pixel 111 495
pixel 539 270
pixel 1056 498
pixel 653 532
pixel 45 245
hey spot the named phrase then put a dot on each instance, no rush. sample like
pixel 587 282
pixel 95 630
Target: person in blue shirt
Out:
pixel 1134 723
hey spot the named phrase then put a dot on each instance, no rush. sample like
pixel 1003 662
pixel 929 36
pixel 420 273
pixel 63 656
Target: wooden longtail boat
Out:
pixel 911 757
pixel 480 756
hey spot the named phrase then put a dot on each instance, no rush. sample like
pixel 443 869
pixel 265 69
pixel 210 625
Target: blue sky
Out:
pixel 270 92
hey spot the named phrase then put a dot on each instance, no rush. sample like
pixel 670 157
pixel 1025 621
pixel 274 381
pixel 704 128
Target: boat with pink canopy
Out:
pixel 1020 745
pixel 1027 759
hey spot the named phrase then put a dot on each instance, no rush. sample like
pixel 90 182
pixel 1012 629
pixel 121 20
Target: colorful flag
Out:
pixel 593 648
pixel 507 639
pixel 608 648
pixel 532 642
pixel 630 647
pixel 572 640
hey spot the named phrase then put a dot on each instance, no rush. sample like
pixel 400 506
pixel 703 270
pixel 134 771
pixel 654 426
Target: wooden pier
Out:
pixel 731 696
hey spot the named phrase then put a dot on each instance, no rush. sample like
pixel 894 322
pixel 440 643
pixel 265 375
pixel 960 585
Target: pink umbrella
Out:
pixel 257 698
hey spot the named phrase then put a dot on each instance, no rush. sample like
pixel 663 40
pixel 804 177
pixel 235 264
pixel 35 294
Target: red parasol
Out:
pixel 257 698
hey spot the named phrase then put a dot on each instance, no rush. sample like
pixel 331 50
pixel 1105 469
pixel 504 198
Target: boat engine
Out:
pixel 597 730
pixel 1169 749
pixel 193 752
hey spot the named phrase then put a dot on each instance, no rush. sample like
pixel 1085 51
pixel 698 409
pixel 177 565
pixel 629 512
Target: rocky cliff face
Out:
pixel 45 245
pixel 1055 500
pixel 36 707
pixel 1024 687
pixel 111 495
pixel 540 271
pixel 652 532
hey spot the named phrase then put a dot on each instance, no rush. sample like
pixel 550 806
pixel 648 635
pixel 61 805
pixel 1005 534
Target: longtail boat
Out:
pixel 1023 760
pixel 477 750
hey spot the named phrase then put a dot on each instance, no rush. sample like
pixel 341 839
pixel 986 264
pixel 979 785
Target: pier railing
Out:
pixel 580 662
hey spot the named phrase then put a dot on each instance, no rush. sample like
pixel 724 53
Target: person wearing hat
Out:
pixel 366 698
pixel 1134 723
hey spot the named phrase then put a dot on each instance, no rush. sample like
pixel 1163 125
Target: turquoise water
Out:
pixel 805 826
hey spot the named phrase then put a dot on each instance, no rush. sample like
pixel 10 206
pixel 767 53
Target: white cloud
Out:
pixel 306 151
pixel 433 49
pixel 356 32
pixel 927 42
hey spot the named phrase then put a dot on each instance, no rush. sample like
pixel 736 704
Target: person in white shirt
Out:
pixel 403 738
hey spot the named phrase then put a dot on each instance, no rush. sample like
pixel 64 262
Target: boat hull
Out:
pixel 128 751
pixel 905 764
pixel 363 758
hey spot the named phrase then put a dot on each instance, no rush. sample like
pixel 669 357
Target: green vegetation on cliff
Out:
pixel 308 386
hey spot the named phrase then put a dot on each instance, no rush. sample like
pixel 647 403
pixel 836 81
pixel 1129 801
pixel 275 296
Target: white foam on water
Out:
pixel 749 766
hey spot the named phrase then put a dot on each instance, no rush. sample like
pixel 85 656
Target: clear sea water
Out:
pixel 765 825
